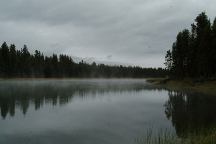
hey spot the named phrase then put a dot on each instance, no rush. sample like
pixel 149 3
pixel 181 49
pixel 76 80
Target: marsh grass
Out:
pixel 167 136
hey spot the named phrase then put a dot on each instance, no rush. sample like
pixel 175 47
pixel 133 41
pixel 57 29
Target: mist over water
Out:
pixel 96 111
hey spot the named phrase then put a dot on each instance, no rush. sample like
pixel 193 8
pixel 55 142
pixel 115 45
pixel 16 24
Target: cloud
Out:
pixel 130 31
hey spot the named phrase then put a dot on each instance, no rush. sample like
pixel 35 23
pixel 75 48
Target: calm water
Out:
pixel 96 111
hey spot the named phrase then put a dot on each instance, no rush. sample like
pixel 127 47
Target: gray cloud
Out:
pixel 130 31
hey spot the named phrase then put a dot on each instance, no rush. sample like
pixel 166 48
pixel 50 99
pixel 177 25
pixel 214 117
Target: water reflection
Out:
pixel 190 112
pixel 20 95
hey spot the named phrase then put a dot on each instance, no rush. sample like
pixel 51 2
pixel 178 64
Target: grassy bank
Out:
pixel 205 86
pixel 168 137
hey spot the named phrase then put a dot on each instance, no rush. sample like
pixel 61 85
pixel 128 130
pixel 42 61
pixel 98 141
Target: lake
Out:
pixel 97 111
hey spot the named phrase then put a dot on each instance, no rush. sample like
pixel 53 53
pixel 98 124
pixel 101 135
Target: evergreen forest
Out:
pixel 21 63
pixel 193 54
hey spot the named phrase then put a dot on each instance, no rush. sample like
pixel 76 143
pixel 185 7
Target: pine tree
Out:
pixel 213 48
pixel 12 60
pixel 203 27
pixel 168 60
pixel 5 58
pixel 26 61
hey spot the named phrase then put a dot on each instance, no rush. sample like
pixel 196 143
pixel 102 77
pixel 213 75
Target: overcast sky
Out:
pixel 134 32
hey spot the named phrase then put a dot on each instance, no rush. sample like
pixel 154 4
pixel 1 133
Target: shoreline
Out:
pixel 63 78
pixel 205 87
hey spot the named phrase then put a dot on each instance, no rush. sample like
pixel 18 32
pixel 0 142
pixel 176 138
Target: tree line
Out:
pixel 21 63
pixel 193 54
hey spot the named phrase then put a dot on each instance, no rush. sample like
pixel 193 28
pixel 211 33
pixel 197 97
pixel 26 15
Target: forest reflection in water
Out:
pixel 188 112
pixel 191 113
pixel 21 94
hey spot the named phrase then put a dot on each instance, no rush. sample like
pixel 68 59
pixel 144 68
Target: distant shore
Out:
pixel 202 86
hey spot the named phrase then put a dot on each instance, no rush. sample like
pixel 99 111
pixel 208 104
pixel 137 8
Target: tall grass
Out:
pixel 166 136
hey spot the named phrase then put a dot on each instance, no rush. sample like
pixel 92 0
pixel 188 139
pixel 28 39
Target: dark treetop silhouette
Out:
pixel 193 54
pixel 20 63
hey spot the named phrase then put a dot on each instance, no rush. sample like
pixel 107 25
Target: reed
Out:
pixel 167 136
